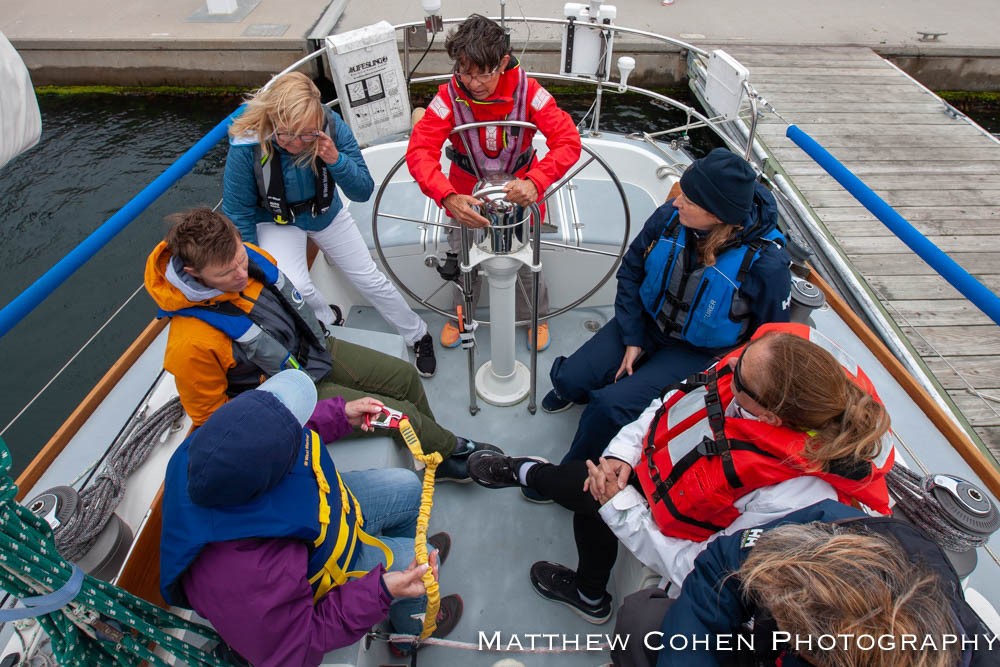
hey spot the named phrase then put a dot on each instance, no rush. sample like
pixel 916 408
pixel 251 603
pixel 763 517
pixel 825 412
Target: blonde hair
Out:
pixel 717 237
pixel 292 101
pixel 822 579
pixel 808 389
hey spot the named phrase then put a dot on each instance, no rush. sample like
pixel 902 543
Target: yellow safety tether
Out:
pixel 431 461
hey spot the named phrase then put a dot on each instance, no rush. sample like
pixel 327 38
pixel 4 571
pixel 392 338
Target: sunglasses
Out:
pixel 738 383
pixel 478 78
pixel 306 138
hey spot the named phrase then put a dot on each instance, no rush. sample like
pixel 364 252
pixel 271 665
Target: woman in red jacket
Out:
pixel 489 85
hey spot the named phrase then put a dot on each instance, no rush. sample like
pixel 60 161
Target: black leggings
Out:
pixel 596 545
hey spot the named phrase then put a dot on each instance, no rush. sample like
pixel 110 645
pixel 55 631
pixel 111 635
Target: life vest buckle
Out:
pixel 709 447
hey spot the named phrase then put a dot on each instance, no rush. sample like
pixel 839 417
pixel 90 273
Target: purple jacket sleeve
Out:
pixel 256 594
pixel 330 420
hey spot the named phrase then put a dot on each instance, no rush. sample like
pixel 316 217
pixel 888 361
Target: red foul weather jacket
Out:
pixel 423 155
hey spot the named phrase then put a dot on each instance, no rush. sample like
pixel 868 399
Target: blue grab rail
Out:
pixel 950 270
pixel 28 300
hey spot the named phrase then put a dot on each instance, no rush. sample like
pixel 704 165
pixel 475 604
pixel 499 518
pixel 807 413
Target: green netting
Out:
pixel 103 625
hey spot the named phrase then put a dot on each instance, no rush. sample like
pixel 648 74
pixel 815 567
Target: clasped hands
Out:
pixel 605 480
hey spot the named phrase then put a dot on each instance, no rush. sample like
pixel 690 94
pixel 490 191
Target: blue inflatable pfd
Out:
pixel 701 304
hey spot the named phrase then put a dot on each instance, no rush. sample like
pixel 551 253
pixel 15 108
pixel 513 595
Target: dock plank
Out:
pixel 937 312
pixel 879 154
pixel 868 226
pixel 911 265
pixel 955 341
pixel 959 372
pixel 959 214
pixel 943 181
pixel 979 411
pixel 861 245
pixel 924 287
pixel 928 196
pixel 916 165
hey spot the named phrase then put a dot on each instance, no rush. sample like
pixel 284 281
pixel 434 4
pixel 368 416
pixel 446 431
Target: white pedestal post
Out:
pixel 502 380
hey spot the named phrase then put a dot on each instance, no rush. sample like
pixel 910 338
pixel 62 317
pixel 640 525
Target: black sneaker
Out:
pixel 496 471
pixel 553 403
pixel 454 468
pixel 557 583
pixel 426 363
pixel 442 542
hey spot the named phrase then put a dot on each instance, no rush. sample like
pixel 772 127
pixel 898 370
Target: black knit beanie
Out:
pixel 722 183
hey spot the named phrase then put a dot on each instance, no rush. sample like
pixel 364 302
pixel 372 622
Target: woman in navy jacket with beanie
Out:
pixel 708 267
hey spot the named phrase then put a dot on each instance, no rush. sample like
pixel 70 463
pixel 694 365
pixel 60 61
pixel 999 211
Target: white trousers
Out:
pixel 344 247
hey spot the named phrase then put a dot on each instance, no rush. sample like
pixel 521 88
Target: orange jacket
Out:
pixel 423 155
pixel 198 355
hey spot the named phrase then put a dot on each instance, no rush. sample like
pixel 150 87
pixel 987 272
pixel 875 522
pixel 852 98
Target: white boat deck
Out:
pixel 935 166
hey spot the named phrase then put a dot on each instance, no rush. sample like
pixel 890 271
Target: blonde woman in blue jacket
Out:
pixel 287 155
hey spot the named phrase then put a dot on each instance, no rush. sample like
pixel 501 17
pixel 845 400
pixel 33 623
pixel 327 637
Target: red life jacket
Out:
pixel 697 462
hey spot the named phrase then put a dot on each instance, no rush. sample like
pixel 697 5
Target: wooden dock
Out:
pixel 935 167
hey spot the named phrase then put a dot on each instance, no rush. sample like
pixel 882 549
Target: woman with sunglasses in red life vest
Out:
pixel 776 425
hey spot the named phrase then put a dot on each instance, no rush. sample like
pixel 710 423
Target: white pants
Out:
pixel 344 247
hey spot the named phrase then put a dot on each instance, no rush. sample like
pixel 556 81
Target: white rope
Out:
pixel 469 646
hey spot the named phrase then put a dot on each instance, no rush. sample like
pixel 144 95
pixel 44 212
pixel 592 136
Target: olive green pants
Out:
pixel 360 371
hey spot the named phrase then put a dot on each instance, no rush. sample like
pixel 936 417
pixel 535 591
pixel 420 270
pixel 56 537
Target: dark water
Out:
pixel 96 153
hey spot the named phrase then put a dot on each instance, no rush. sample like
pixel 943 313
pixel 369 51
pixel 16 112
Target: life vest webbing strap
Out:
pixel 719 446
pixel 305 334
pixel 751 252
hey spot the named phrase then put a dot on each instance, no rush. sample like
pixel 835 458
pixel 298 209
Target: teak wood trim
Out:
pixel 140 575
pixel 57 443
pixel 958 438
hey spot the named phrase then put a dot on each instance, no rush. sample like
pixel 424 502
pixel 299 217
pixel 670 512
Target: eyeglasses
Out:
pixel 478 78
pixel 738 380
pixel 306 137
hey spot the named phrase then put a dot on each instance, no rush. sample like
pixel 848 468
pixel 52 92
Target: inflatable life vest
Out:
pixel 310 504
pixel 251 332
pixel 271 186
pixel 507 157
pixel 699 304
pixel 697 462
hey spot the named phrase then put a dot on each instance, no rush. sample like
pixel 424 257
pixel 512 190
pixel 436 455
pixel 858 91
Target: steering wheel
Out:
pixel 586 160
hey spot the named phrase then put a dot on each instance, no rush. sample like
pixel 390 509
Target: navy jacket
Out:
pixel 767 286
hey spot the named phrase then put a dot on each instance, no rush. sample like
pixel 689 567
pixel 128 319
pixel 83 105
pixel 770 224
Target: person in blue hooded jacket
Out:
pixel 708 267
pixel 288 556
pixel 288 154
